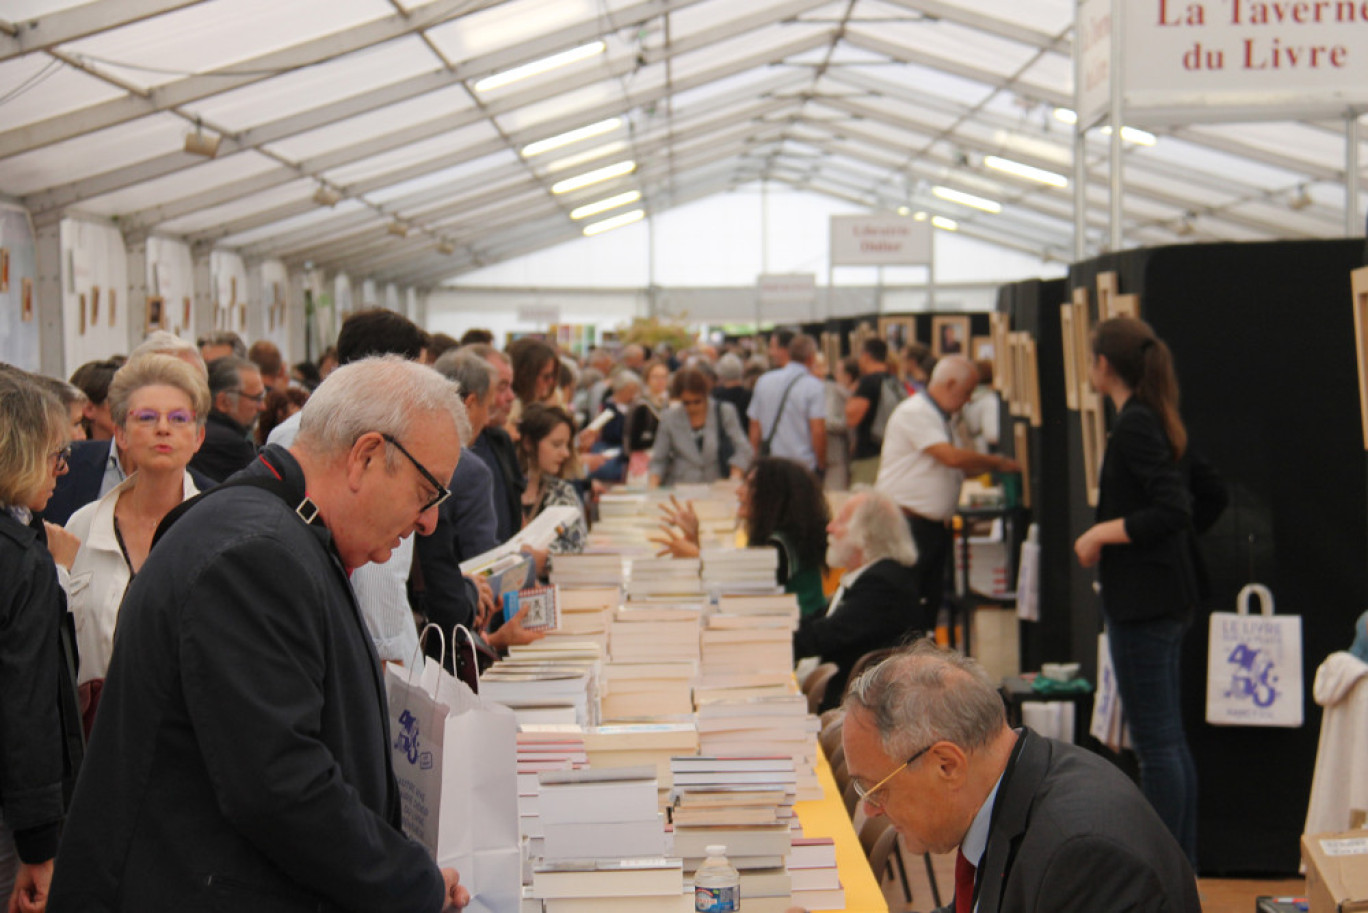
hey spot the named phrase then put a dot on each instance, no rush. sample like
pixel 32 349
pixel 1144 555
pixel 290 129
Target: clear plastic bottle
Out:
pixel 717 886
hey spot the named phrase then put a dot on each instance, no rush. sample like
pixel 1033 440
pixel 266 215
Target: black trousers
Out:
pixel 933 539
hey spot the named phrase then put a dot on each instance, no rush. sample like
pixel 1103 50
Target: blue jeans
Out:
pixel 1146 656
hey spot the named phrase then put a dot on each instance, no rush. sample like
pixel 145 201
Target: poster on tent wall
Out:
pixel 787 297
pixel 1212 60
pixel 19 315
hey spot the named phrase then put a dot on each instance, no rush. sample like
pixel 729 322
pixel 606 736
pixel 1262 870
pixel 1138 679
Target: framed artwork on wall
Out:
pixel 1066 314
pixel 113 307
pixel 4 269
pixel 981 348
pixel 26 300
pixel 156 314
pixel 81 314
pixel 949 336
pixel 94 305
pixel 897 332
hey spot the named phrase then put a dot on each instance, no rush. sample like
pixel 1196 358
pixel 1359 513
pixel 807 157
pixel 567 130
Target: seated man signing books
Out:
pixel 877 604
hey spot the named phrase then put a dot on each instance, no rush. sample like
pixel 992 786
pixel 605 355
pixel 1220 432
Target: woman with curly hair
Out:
pixel 782 506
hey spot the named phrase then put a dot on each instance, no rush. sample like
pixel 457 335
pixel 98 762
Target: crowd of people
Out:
pixel 139 609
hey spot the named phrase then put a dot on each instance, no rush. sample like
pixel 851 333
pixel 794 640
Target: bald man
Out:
pixel 923 464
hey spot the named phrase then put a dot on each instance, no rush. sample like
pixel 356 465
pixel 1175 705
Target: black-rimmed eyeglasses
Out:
pixel 442 491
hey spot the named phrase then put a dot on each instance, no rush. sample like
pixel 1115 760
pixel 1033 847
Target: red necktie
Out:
pixel 964 884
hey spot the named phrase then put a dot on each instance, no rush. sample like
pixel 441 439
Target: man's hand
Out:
pixel 1088 548
pixel 486 601
pixel 513 633
pixel 456 895
pixel 62 544
pixel 31 885
pixel 1008 465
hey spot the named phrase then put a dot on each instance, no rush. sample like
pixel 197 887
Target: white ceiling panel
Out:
pixel 375 123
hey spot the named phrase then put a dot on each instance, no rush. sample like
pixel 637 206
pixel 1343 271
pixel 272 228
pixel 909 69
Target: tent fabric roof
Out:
pixel 356 134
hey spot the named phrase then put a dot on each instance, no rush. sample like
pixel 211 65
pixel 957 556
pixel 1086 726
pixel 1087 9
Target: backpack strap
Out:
pixel 783 401
pixel 305 509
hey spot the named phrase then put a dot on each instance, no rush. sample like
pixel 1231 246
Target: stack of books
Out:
pixel 741 570
pixel 754 645
pixel 630 744
pixel 629 885
pixel 668 577
pixel 776 724
pixel 585 612
pixel 601 814
pixel 652 633
pixel 589 569
pixel 760 845
pixel 785 604
pixel 640 690
pixel 543 747
pixel 545 682
pixel 815 880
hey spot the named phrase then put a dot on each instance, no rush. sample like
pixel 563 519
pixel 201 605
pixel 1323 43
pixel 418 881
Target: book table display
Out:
pixel 660 716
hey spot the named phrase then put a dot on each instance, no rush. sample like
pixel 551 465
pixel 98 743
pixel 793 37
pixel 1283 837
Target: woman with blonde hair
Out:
pixel 159 405
pixel 41 746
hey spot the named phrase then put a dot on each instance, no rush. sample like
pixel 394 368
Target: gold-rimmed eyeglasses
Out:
pixel 867 795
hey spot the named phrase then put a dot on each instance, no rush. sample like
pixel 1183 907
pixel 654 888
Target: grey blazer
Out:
pixel 676 457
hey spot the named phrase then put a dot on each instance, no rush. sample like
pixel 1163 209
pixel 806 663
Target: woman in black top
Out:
pixel 1154 498
pixel 40 724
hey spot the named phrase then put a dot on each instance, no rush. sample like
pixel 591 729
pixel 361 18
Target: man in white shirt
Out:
pixel 788 409
pixel 923 464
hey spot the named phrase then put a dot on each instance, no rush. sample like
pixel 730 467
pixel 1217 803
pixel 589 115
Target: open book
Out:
pixel 538 534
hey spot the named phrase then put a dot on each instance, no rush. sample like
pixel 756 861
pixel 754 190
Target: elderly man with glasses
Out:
pixel 241 757
pixel 238 396
pixel 1038 824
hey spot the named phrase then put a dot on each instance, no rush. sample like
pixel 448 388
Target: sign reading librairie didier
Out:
pixel 879 241
pixel 1245 59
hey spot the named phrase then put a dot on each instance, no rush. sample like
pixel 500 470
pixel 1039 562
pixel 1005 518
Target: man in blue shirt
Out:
pixel 788 409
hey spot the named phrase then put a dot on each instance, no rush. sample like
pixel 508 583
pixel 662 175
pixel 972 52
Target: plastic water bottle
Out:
pixel 717 886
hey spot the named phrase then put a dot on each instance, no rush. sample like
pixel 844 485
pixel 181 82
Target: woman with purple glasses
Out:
pixel 158 404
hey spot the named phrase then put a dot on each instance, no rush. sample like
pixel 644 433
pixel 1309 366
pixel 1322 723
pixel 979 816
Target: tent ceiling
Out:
pixel 356 134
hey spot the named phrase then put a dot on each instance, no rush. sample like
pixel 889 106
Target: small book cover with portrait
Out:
pixel 543 607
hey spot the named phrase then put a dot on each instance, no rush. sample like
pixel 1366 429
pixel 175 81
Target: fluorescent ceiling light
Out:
pixel 919 215
pixel 593 209
pixel 606 173
pixel 1029 172
pixel 1128 134
pixel 627 218
pixel 943 223
pixel 903 210
pixel 537 67
pixel 966 199
pixel 571 136
pixel 588 155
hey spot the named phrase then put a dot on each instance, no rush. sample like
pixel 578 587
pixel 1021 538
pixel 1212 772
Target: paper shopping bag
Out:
pixel 1254 665
pixel 1108 721
pixel 455 759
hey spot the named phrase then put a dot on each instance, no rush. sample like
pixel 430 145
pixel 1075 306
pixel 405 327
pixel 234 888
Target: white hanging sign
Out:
pixel 799 289
pixel 1242 59
pixel 879 241
pixel 542 315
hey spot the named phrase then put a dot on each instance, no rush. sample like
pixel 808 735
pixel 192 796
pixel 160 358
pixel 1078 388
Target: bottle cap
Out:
pixel 717 849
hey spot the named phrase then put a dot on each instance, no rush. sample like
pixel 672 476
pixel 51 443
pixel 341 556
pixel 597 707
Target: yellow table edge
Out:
pixel 827 818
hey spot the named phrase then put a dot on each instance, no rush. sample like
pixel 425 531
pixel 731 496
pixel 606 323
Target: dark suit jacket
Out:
pixel 225 449
pixel 465 529
pixel 81 483
pixel 1070 832
pixel 1165 503
pixel 880 610
pixel 241 756
pixel 496 448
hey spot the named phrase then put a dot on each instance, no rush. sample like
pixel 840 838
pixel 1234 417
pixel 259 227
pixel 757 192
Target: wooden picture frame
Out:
pixel 1082 325
pixel 1018 404
pixel 950 336
pixel 187 307
pixel 1032 372
pixel 898 332
pixel 94 305
pixel 981 348
pixel 998 326
pixel 1358 282
pixel 1021 451
pixel 156 314
pixel 4 269
pixel 831 347
pixel 113 308
pixel 26 300
pixel 1066 331
pixel 1094 420
pixel 1107 288
pixel 1125 306
pixel 81 314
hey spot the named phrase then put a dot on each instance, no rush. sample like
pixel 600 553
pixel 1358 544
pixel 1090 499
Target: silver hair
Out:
pixel 925 694
pixel 471 372
pixel 625 378
pixel 879 530
pixel 388 394
pixel 729 368
pixel 954 368
pixel 160 342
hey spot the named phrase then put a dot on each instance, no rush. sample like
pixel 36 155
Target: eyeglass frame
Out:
pixel 62 458
pixel 254 397
pixel 442 491
pixel 865 795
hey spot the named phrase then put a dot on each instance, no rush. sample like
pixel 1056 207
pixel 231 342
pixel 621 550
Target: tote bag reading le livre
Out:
pixel 1254 665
